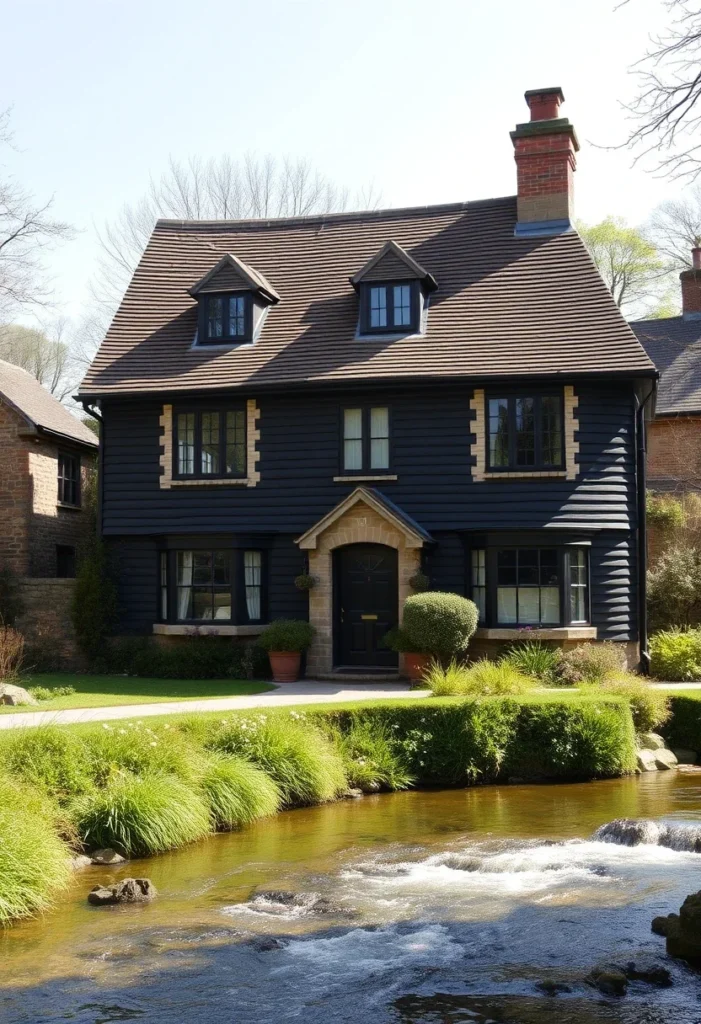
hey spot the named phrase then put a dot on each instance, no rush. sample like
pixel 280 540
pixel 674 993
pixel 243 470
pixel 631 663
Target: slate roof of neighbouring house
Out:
pixel 503 306
pixel 674 345
pixel 42 411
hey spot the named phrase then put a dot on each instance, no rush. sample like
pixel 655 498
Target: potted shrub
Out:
pixel 285 640
pixel 416 661
pixel 435 626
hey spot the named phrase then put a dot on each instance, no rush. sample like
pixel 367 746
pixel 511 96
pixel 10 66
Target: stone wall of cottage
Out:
pixel 46 625
pixel 15 493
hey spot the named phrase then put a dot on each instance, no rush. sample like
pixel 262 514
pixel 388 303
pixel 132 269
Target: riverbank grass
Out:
pixel 97 691
pixel 145 788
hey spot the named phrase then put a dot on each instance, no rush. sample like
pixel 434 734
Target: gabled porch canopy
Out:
pixel 414 535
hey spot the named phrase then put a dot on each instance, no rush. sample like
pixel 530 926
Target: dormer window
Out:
pixel 390 307
pixel 233 301
pixel 226 318
pixel 393 290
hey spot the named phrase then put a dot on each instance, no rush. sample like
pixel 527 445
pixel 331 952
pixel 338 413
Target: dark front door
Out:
pixel 365 577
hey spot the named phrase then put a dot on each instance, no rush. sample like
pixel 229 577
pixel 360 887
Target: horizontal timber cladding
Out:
pixel 613 579
pixel 431 463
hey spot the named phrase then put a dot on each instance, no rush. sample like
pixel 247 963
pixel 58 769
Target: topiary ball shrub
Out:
pixel 294 635
pixel 439 624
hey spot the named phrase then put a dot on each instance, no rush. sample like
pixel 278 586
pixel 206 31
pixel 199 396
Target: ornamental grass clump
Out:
pixel 237 792
pixel 141 750
pixel 302 761
pixel 590 663
pixel 483 678
pixel 534 658
pixel 51 758
pixel 439 624
pixel 650 708
pixel 34 862
pixel 138 816
pixel 372 757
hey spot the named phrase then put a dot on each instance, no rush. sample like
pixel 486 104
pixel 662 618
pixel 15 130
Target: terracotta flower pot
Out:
pixel 415 665
pixel 285 666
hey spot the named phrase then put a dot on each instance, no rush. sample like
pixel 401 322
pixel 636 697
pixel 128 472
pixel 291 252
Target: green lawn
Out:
pixel 103 691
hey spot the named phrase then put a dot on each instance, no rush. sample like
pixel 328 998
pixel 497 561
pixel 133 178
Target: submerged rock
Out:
pixel 552 988
pixel 353 794
pixel 609 981
pixel 661 925
pixel 307 902
pixel 15 695
pixel 129 890
pixel 107 856
pixel 79 861
pixel 267 944
pixel 656 975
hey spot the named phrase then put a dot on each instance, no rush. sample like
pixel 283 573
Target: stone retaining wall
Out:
pixel 46 623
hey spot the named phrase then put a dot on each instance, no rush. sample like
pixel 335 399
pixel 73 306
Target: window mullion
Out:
pixel 511 420
pixel 365 428
pixel 537 432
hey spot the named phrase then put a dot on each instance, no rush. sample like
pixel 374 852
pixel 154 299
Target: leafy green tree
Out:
pixel 627 261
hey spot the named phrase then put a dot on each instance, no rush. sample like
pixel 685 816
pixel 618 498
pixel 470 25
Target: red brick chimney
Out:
pixel 691 288
pixel 544 150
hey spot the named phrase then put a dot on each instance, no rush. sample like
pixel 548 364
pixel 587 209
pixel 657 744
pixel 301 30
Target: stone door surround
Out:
pixel 361 518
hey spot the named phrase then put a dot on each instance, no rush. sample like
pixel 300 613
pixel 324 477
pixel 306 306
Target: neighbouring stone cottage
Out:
pixel 46 456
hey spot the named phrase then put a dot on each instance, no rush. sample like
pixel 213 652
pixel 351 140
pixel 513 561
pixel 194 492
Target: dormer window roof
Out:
pixel 393 288
pixel 232 299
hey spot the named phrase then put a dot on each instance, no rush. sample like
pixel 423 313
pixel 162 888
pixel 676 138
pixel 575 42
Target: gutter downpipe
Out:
pixel 641 493
pixel 92 411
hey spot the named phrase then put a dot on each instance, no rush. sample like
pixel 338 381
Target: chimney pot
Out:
pixel 544 104
pixel 691 287
pixel 696 258
pixel 545 152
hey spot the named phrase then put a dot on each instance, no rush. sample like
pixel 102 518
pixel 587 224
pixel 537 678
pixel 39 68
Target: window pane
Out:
pixel 378 307
pixel 529 605
pixel 549 567
pixel 186 443
pixel 252 567
pixel 479 568
pixel 164 584
pixel 402 305
pixel 578 585
pixel 222 603
pixel 550 604
pixel 525 432
pixel 528 568
pixel 353 439
pixel 237 316
pixel 506 568
pixel 184 603
pixel 215 317
pixel 506 605
pixel 210 442
pixel 184 568
pixel 202 603
pixel 379 438
pixel 236 442
pixel 551 426
pixel 202 567
pixel 498 432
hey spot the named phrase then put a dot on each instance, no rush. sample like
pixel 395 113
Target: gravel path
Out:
pixel 293 693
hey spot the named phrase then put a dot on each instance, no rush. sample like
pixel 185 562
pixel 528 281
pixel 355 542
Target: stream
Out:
pixel 429 907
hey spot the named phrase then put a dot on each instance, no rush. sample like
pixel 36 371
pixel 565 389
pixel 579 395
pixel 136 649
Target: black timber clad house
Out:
pixel 361 395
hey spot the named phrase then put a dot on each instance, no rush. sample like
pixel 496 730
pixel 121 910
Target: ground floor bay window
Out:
pixel 539 585
pixel 212 585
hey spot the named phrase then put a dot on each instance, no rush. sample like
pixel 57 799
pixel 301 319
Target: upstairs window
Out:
pixel 525 432
pixel 390 308
pixel 210 443
pixel 366 439
pixel 225 318
pixel 69 479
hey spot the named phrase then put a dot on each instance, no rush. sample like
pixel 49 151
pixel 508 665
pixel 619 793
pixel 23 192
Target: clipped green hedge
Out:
pixel 683 730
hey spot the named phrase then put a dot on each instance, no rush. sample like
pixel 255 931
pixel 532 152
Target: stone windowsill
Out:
pixel 233 481
pixel 518 474
pixel 182 629
pixel 364 479
pixel 67 504
pixel 554 633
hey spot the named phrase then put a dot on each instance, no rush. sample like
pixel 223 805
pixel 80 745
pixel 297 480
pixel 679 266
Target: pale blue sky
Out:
pixel 415 96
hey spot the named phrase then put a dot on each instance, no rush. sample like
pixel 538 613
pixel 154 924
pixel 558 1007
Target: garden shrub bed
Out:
pixel 146 787
pixel 683 729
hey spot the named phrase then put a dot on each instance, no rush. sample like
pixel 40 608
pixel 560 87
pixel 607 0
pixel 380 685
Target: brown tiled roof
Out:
pixel 674 345
pixel 503 306
pixel 42 411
